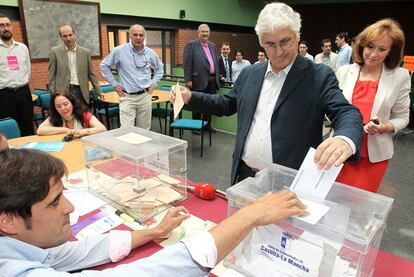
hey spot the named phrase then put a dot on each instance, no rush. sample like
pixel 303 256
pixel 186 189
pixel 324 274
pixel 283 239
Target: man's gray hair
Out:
pixel 276 15
pixel 136 26
pixel 203 26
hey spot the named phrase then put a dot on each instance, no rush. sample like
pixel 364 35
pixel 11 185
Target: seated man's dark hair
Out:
pixel 24 180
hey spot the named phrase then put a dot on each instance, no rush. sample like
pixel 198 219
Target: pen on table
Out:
pixel 126 217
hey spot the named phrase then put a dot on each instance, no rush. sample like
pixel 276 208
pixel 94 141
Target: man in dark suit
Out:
pixel 281 104
pixel 225 61
pixel 70 67
pixel 201 70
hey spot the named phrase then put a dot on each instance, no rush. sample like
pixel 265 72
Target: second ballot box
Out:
pixel 344 242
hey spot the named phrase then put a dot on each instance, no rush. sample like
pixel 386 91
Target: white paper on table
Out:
pixel 83 202
pixel 312 180
pixel 188 227
pixel 101 226
pixel 179 102
pixel 76 180
pixel 133 138
pixel 228 272
pixel 316 210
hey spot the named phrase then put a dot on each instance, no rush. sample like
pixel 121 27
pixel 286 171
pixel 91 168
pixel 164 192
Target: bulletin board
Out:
pixel 41 20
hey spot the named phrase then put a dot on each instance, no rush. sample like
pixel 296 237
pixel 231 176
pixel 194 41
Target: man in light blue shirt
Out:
pixel 345 51
pixel 34 228
pixel 134 62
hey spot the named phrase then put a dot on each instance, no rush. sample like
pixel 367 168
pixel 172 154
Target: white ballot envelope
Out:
pixel 312 180
pixel 179 102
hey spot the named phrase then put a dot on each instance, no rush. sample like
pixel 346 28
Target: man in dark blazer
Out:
pixel 225 61
pixel 201 70
pixel 281 104
pixel 70 67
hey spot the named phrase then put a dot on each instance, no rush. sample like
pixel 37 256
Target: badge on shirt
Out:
pixel 13 62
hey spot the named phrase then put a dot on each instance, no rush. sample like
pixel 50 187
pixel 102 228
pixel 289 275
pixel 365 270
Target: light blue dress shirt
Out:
pixel 18 258
pixel 344 55
pixel 134 69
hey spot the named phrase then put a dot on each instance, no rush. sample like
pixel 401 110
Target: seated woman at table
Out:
pixel 380 89
pixel 68 115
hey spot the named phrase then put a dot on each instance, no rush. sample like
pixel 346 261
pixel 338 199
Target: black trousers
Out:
pixel 212 89
pixel 17 103
pixel 244 172
pixel 76 91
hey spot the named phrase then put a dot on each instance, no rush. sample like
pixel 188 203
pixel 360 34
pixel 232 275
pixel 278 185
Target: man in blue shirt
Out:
pixel 134 62
pixel 345 51
pixel 34 228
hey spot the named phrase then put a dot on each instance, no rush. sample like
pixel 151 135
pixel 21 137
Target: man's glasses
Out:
pixel 139 61
pixel 283 44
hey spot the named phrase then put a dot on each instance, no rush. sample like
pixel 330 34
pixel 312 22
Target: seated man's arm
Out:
pixel 269 209
pixel 346 122
pixel 197 255
pixel 111 247
pixel 172 219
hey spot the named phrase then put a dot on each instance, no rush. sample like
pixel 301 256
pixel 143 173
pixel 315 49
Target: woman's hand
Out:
pixel 78 133
pixel 372 128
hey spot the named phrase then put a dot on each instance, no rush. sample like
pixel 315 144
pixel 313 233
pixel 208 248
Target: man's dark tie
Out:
pixel 226 66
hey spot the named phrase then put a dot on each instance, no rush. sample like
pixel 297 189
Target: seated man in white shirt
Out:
pixel 34 228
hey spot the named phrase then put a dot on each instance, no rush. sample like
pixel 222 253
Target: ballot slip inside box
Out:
pixel 143 168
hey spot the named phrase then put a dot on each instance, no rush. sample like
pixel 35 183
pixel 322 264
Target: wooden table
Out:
pixel 113 98
pixel 71 154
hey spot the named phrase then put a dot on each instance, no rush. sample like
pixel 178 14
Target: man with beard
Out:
pixel 15 96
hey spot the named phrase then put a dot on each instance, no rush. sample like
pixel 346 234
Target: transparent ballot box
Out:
pixel 344 242
pixel 139 172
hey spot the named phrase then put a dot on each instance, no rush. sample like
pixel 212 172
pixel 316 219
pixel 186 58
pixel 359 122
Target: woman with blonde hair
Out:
pixel 380 89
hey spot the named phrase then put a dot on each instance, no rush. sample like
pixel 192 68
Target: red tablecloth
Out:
pixel 216 210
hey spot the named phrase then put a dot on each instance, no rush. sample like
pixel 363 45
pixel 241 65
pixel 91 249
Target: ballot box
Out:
pixel 139 172
pixel 343 242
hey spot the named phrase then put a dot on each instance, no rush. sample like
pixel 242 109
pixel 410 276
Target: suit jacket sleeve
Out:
pixel 188 62
pixel 216 104
pixel 400 111
pixel 92 75
pixel 346 118
pixel 52 70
